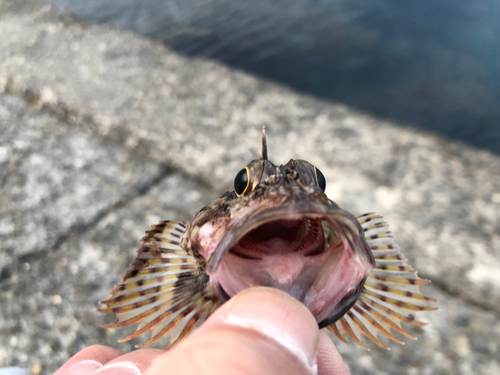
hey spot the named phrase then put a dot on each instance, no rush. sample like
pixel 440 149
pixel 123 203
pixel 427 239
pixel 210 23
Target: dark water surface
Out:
pixel 431 64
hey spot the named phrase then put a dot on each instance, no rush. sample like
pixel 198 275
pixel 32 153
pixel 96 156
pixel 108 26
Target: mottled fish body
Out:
pixel 275 228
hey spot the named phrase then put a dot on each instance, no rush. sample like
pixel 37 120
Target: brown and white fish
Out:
pixel 275 228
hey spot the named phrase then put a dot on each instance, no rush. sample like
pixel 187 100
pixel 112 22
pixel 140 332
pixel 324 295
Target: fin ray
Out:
pixel 390 294
pixel 165 290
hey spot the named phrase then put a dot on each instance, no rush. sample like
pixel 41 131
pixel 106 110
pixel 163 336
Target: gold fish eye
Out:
pixel 320 179
pixel 242 182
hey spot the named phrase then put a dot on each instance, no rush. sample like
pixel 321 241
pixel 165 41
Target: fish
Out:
pixel 275 227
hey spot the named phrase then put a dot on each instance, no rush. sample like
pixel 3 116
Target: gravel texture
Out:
pixel 104 133
pixel 55 179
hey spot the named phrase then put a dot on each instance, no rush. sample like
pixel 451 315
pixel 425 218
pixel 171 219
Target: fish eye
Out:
pixel 242 182
pixel 320 179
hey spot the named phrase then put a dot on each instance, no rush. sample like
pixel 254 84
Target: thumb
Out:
pixel 259 331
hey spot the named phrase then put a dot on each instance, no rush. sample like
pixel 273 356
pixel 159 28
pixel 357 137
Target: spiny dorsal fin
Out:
pixel 390 294
pixel 165 290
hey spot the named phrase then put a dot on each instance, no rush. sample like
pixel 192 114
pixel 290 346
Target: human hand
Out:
pixel 259 331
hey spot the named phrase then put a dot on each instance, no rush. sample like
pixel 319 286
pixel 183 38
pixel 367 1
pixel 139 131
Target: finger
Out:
pixel 329 360
pixel 259 331
pixel 133 363
pixel 88 360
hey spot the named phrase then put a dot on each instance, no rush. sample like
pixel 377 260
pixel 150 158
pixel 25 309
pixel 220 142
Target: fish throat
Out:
pixel 311 256
pixel 284 236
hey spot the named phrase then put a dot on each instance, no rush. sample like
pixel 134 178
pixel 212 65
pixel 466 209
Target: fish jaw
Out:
pixel 313 251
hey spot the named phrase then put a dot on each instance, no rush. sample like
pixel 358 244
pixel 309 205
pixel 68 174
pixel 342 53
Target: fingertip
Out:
pixel 95 353
pixel 140 359
pixel 274 314
pixel 330 361
pixel 260 328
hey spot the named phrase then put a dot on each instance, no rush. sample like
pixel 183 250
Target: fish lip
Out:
pixel 295 210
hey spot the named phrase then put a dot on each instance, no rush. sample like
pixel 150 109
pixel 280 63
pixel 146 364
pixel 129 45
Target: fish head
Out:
pixel 277 228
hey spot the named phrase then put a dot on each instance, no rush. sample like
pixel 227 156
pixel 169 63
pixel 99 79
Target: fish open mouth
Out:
pixel 313 252
pixel 303 236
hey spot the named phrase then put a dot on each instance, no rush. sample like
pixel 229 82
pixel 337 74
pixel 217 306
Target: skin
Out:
pixel 260 330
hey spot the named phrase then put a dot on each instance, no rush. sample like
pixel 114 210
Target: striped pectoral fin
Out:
pixel 165 290
pixel 390 294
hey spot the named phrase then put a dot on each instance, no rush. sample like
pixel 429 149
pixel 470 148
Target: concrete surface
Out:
pixel 104 133
pixel 431 64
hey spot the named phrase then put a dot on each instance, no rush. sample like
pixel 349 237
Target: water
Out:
pixel 430 64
